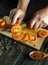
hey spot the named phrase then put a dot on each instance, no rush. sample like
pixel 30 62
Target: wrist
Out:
pixel 23 5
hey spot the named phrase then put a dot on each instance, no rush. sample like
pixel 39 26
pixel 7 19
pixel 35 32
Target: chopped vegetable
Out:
pixel 43 33
pixel 18 36
pixel 33 38
pixel 26 37
pixel 16 28
pixel 23 34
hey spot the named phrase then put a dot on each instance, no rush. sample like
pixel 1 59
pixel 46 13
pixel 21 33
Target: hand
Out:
pixel 16 16
pixel 40 19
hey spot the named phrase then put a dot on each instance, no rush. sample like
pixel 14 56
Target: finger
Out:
pixel 20 19
pixel 42 24
pixel 16 17
pixel 37 23
pixel 12 12
pixel 33 21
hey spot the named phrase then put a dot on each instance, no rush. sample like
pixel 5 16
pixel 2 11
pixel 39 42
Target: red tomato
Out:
pixel 2 23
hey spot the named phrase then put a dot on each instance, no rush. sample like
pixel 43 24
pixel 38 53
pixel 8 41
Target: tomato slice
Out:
pixel 43 33
pixel 32 37
pixel 29 37
pixel 18 36
pixel 16 28
pixel 25 37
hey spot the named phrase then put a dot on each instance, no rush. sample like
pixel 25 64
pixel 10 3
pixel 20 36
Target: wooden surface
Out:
pixel 36 45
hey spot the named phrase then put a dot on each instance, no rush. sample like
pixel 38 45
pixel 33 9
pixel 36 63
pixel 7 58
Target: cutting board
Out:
pixel 37 45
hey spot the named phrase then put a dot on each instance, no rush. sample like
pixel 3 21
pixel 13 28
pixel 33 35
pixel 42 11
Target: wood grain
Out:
pixel 37 45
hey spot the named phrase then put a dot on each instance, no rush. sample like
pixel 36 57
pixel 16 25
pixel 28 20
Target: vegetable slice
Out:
pixel 16 28
pixel 43 33
pixel 18 36
pixel 32 37
pixel 25 38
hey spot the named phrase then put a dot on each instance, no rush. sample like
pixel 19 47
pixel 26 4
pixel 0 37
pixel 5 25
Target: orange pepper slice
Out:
pixel 16 28
pixel 43 33
pixel 18 36
pixel 32 37
pixel 25 37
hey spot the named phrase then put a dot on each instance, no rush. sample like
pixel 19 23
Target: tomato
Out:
pixel 32 37
pixel 16 28
pixel 23 34
pixel 43 33
pixel 18 36
pixel 2 23
pixel 25 37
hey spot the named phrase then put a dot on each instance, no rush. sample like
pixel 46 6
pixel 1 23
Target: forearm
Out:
pixel 23 4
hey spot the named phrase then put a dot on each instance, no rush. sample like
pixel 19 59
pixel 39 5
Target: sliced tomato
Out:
pixel 25 37
pixel 32 37
pixel 16 28
pixel 29 37
pixel 18 36
pixel 43 33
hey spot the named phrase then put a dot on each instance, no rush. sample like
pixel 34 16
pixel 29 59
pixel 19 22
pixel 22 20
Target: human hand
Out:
pixel 16 16
pixel 40 19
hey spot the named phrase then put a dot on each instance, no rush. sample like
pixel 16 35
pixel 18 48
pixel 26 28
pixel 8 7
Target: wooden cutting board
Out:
pixel 37 45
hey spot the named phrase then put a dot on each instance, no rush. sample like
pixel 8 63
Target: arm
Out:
pixel 23 4
pixel 18 14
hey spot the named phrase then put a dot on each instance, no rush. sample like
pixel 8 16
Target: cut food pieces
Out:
pixel 18 36
pixel 43 33
pixel 24 37
pixel 32 37
pixel 16 28
pixel 30 34
pixel 23 34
